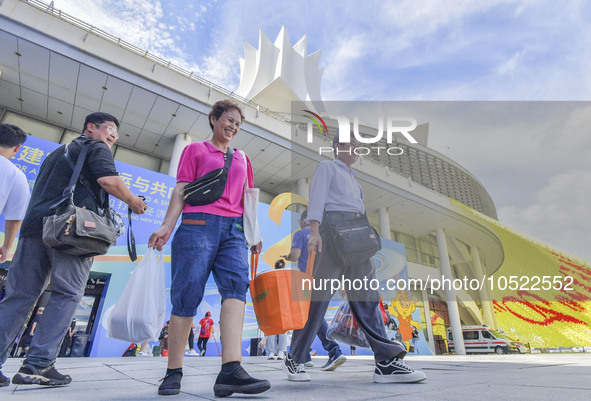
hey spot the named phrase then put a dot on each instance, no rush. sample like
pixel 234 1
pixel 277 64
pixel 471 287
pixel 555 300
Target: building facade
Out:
pixel 55 69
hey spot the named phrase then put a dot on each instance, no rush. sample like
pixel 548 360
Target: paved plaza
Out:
pixel 488 377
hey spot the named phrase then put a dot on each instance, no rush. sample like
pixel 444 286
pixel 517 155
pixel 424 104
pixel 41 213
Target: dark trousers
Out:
pixel 66 343
pixel 33 266
pixel 332 347
pixel 191 339
pixel 202 343
pixel 363 302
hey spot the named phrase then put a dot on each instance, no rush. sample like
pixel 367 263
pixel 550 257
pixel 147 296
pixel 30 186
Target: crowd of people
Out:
pixel 209 241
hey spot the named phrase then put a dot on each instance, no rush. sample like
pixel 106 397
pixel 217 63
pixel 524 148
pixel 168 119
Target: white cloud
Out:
pixel 510 65
pixel 218 68
pixel 560 215
pixel 139 22
pixel 340 60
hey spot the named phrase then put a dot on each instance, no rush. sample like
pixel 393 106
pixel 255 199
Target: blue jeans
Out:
pixel 203 244
pixel 329 346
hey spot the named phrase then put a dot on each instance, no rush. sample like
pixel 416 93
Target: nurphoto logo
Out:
pixel 401 125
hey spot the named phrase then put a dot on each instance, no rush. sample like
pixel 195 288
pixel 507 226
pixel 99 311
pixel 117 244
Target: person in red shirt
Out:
pixel 206 331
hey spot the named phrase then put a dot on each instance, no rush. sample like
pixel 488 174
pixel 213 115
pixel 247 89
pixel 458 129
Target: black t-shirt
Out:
pixel 54 176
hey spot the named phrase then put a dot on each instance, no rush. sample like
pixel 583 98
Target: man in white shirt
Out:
pixel 336 197
pixel 14 187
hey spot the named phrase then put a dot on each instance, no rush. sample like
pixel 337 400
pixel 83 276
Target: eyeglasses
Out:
pixel 112 130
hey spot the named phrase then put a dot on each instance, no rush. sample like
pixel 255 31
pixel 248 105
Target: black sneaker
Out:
pixel 4 381
pixel 48 376
pixel 238 381
pixel 396 371
pixel 334 362
pixel 171 384
pixel 296 372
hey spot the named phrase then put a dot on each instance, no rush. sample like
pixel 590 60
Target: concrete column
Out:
pixel 427 310
pixel 303 189
pixel 452 304
pixel 180 142
pixel 485 301
pixel 384 223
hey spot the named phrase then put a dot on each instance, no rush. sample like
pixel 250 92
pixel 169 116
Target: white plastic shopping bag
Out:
pixel 141 310
pixel 250 222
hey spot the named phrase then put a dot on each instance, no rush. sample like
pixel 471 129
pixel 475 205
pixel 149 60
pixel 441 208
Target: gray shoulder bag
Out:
pixel 75 230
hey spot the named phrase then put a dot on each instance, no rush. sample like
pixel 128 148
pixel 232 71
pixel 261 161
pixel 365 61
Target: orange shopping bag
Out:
pixel 281 298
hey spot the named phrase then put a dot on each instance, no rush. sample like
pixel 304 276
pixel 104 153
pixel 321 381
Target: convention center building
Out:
pixel 55 69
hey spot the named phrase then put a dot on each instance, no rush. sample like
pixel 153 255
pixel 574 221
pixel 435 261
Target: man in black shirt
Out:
pixel 35 264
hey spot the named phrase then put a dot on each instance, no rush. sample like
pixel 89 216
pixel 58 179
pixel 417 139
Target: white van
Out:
pixel 480 339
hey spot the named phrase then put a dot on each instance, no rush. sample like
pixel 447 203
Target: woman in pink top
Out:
pixel 210 239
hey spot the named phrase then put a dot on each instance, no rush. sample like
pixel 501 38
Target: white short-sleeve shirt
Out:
pixel 14 191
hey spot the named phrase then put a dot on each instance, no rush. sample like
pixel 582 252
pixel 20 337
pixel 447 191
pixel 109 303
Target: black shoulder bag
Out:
pixel 354 241
pixel 209 187
pixel 75 230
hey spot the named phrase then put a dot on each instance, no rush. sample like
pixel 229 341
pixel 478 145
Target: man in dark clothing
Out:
pixel 335 198
pixel 28 337
pixel 67 341
pixel 299 252
pixel 35 264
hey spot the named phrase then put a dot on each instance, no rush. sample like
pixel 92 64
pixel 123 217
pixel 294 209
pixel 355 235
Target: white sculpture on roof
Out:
pixel 277 74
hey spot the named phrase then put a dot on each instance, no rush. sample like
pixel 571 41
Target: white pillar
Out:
pixel 384 223
pixel 303 189
pixel 427 310
pixel 180 142
pixel 452 304
pixel 487 310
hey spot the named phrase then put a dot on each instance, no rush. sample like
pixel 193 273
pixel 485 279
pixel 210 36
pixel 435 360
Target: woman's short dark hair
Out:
pixel 11 136
pixel 221 107
pixel 99 118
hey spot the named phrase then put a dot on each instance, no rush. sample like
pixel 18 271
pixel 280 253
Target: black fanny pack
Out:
pixel 353 241
pixel 209 187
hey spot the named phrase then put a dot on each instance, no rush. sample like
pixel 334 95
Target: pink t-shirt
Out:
pixel 198 159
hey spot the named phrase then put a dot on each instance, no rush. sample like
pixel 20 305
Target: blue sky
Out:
pixel 414 50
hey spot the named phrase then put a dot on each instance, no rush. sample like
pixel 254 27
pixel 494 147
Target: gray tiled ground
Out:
pixel 499 377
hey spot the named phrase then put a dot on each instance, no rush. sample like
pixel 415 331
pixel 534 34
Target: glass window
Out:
pixel 470 335
pixel 428 260
pixel 410 246
pixel 426 246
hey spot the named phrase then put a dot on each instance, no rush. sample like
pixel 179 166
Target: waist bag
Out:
pixel 75 230
pixel 353 241
pixel 209 187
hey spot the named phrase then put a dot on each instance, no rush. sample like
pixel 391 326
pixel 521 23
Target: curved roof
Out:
pixel 56 72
